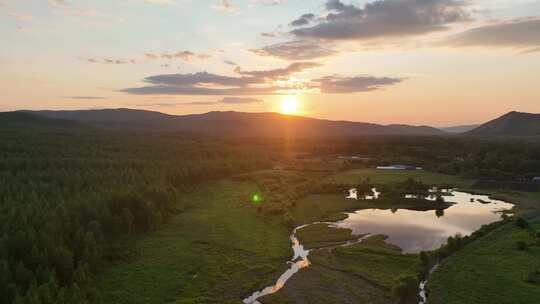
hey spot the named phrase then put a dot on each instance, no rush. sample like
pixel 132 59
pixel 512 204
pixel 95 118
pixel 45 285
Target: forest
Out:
pixel 69 198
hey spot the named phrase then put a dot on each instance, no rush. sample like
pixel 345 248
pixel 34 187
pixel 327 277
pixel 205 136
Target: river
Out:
pixel 413 231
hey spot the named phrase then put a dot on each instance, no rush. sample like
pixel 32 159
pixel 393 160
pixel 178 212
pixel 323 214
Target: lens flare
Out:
pixel 256 198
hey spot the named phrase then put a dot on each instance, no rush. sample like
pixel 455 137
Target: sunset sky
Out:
pixel 435 62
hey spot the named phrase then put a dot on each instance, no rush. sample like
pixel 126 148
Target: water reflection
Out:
pixel 416 231
pixel 298 262
pixel 353 194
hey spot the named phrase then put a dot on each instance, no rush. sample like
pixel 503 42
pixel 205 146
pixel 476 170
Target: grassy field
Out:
pixel 490 270
pixel 528 203
pixel 322 207
pixel 322 235
pixel 217 252
pixel 221 250
pixel 396 176
pixel 362 273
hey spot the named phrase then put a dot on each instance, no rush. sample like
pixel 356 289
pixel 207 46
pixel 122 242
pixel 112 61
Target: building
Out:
pixel 398 167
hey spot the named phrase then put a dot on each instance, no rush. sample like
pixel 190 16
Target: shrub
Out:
pixel 521 245
pixel 405 288
pixel 533 277
pixel 424 258
pixel 522 223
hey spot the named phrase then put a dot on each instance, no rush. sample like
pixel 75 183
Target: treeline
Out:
pixel 69 199
pixel 480 158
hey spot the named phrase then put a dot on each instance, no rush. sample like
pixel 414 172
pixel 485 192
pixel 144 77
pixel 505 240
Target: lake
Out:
pixel 415 231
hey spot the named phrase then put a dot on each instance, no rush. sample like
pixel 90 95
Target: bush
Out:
pixel 405 288
pixel 521 245
pixel 533 277
pixel 424 258
pixel 522 223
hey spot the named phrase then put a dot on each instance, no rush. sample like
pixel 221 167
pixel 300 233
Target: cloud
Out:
pixel 271 34
pixel 305 19
pixel 196 103
pixel 200 78
pixel 296 50
pixel 21 17
pixel 109 60
pixel 384 18
pixel 337 84
pixel 182 55
pixel 276 74
pixel 161 2
pixel 85 97
pixel 522 34
pixel 58 3
pixel 226 100
pixel 225 5
pixel 229 62
pixel 259 82
pixel 186 56
pixel 193 90
pixel 268 2
pixel 262 82
pixel 239 100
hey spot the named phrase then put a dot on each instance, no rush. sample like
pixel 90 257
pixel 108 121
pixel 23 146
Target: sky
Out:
pixel 420 62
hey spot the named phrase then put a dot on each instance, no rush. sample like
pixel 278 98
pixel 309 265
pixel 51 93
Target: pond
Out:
pixel 415 231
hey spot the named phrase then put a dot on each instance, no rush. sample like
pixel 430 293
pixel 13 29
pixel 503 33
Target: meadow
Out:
pixel 215 252
pixel 493 269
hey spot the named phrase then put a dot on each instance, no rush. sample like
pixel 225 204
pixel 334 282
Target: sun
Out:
pixel 289 105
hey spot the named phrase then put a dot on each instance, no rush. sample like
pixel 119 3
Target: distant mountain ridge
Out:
pixel 233 123
pixel 28 120
pixel 511 124
pixel 460 129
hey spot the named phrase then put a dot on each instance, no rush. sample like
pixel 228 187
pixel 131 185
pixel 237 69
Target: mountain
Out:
pixel 510 124
pixel 22 120
pixel 459 129
pixel 233 123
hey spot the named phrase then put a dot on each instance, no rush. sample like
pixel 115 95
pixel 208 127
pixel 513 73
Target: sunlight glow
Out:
pixel 289 105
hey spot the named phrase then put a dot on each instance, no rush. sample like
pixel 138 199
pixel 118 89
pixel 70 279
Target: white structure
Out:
pixel 398 167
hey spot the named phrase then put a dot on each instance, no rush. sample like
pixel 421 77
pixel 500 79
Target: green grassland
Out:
pixel 361 273
pixel 397 176
pixel 215 252
pixel 490 270
pixel 322 235
pixel 225 247
pixel 527 203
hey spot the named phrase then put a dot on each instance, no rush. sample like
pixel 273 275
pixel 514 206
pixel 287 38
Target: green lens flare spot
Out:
pixel 256 199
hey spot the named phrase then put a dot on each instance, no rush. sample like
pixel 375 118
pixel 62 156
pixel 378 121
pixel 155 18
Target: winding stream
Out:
pixel 413 231
pixel 298 262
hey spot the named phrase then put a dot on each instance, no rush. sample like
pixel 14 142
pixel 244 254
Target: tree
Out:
pixel 23 276
pixel 127 220
pixel 64 263
pixel 6 287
